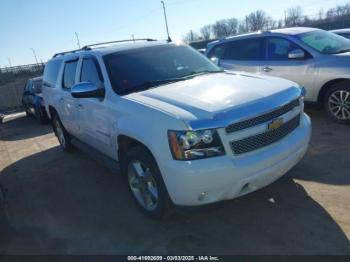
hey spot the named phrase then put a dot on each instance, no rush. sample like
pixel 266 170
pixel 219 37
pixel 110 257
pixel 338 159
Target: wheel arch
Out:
pixel 326 86
pixel 126 142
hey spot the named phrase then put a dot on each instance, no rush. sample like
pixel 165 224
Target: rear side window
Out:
pixel 70 69
pixel 90 72
pixel 246 49
pixel 51 73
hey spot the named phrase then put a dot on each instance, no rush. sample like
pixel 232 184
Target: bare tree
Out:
pixel 225 27
pixel 293 16
pixel 257 20
pixel 339 11
pixel 191 37
pixel 206 32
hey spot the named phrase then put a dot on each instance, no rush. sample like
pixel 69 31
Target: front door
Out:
pixel 94 118
pixel 277 63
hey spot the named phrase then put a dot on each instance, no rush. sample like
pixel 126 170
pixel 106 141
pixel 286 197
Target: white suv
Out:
pixel 183 131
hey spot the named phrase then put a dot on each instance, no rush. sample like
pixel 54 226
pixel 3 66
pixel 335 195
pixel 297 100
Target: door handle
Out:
pixel 80 106
pixel 267 69
pixel 61 100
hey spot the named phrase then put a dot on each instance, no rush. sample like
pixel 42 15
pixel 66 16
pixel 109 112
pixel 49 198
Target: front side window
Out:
pixel 325 42
pixel 90 72
pixel 143 68
pixel 247 49
pixel 70 69
pixel 278 48
pixel 219 51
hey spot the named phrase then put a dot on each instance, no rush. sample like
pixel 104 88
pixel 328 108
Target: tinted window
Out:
pixel 279 48
pixel 246 49
pixel 325 42
pixel 70 69
pixel 219 51
pixel 144 68
pixel 51 72
pixel 90 72
pixel 37 86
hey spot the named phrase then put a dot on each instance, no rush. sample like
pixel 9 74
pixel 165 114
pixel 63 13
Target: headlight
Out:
pixel 190 145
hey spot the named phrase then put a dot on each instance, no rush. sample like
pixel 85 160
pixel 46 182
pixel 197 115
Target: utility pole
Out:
pixel 133 37
pixel 36 59
pixel 78 42
pixel 8 59
pixel 166 21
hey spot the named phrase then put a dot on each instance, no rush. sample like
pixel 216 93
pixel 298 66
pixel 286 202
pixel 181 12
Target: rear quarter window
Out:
pixel 51 73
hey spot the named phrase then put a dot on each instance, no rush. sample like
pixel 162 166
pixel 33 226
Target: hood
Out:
pixel 210 96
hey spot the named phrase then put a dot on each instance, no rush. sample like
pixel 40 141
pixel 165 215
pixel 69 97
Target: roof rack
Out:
pixel 88 47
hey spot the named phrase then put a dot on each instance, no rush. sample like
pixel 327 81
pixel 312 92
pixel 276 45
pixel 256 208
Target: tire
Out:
pixel 337 102
pixel 146 184
pixel 41 116
pixel 63 136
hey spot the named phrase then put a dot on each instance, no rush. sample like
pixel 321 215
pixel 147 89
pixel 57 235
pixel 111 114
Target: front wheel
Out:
pixel 146 183
pixel 337 103
pixel 61 133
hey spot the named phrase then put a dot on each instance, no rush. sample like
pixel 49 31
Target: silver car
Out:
pixel 315 59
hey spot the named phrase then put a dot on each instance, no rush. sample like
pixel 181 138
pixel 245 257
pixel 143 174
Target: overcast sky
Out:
pixel 48 26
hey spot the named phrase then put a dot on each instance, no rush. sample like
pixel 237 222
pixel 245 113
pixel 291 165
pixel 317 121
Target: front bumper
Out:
pixel 205 181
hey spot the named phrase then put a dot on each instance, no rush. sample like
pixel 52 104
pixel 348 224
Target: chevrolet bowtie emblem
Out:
pixel 276 123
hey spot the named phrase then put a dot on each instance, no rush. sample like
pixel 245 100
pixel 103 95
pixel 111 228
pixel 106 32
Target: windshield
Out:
pixel 145 68
pixel 325 42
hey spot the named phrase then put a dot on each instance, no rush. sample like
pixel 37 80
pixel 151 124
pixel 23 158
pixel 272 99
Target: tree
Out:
pixel 257 20
pixel 191 37
pixel 225 27
pixel 206 32
pixel 293 16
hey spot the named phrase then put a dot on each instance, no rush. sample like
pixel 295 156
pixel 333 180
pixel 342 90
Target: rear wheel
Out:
pixel 337 102
pixel 61 133
pixel 146 183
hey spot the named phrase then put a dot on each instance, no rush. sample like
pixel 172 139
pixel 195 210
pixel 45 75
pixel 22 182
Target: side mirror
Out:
pixel 86 89
pixel 296 54
pixel 215 60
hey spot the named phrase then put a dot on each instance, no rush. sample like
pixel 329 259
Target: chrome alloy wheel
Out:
pixel 143 185
pixel 59 133
pixel 339 104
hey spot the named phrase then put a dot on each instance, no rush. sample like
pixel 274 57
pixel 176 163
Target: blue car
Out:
pixel 32 100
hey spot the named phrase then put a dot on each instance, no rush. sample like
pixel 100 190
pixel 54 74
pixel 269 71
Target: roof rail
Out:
pixel 88 47
pixel 67 52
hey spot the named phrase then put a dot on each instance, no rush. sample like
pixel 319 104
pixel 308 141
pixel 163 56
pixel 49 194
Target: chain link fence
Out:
pixel 12 82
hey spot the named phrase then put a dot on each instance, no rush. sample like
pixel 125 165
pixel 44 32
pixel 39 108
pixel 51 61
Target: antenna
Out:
pixel 166 21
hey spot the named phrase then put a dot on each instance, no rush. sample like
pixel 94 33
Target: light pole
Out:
pixel 8 59
pixel 36 59
pixel 166 21
pixel 78 42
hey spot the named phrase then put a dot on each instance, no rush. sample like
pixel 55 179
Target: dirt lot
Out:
pixel 62 203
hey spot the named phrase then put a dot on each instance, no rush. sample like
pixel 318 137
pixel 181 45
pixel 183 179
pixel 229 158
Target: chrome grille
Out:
pixel 261 140
pixel 262 118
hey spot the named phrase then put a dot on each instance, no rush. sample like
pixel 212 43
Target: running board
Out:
pixel 108 162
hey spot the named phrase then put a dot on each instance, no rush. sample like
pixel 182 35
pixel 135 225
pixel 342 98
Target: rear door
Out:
pixel 68 108
pixel 241 55
pixel 301 71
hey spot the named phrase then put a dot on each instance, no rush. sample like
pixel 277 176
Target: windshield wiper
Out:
pixel 342 51
pixel 149 84
pixel 193 74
